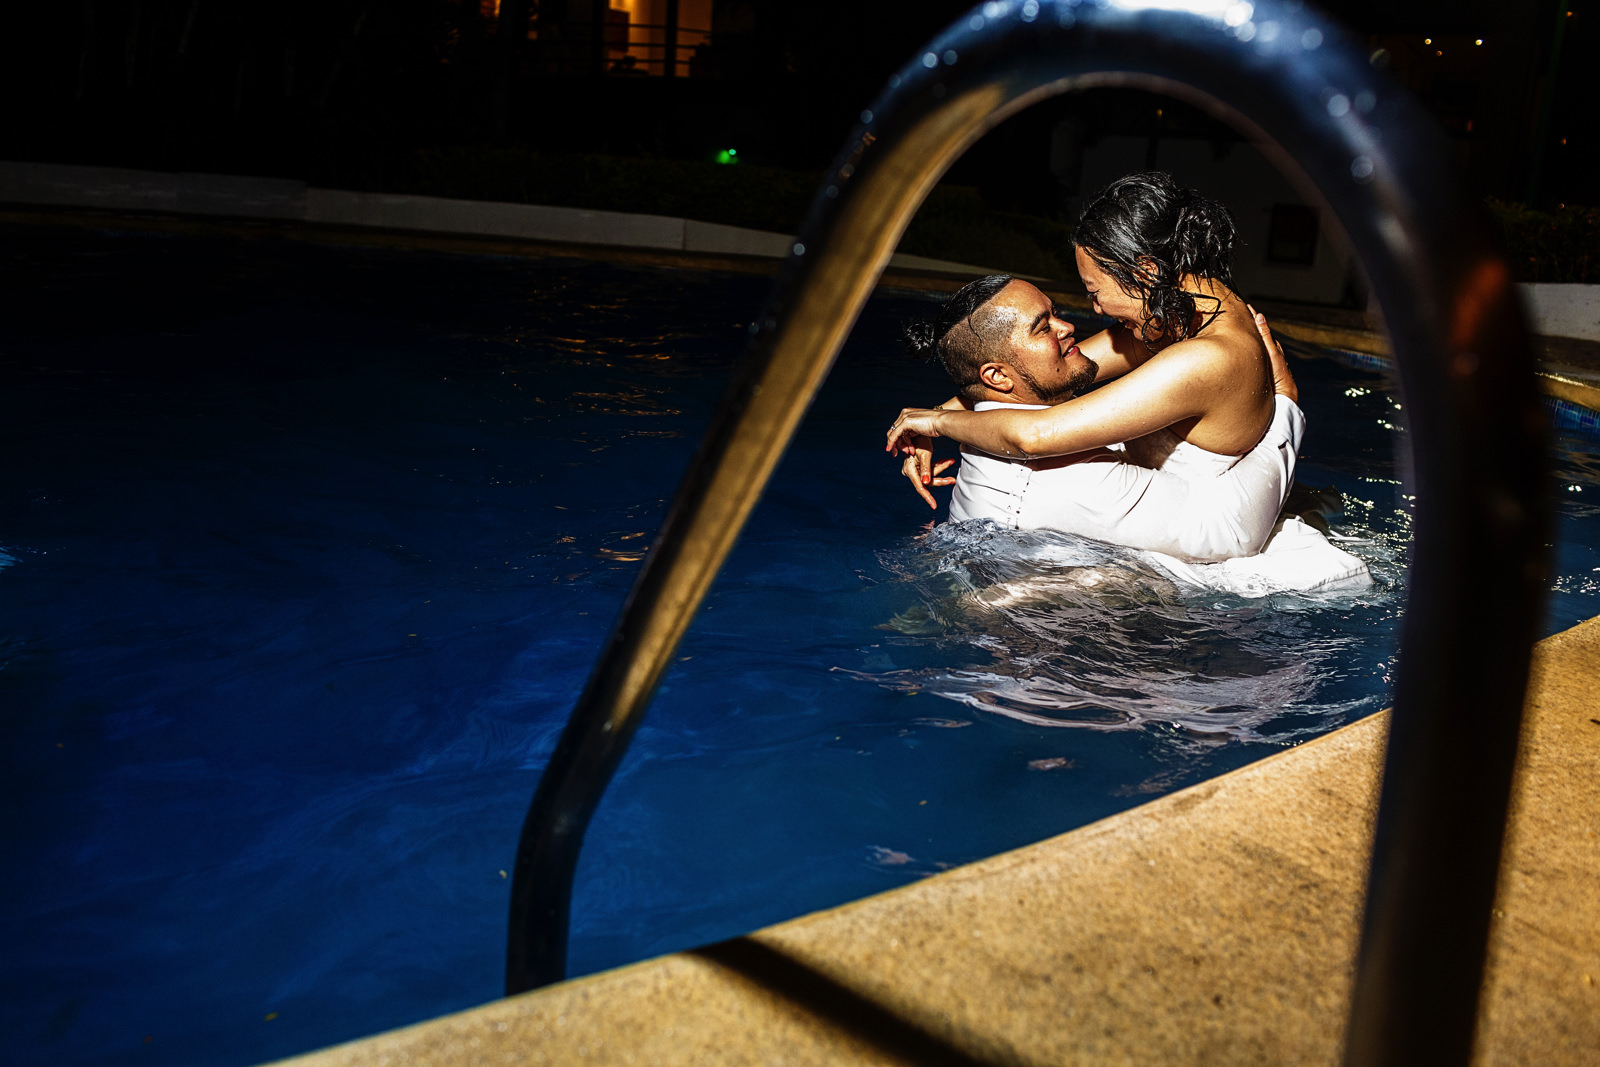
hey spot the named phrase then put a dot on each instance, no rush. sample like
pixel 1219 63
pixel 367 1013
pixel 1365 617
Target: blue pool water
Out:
pixel 312 549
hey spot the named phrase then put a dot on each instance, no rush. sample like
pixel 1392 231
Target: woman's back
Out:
pixel 1226 364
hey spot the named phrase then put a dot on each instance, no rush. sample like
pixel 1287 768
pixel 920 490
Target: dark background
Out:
pixel 346 93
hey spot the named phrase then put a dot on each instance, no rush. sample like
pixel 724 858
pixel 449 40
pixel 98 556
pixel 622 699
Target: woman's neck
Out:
pixel 1211 298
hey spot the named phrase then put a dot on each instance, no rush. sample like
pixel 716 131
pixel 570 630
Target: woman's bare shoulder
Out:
pixel 1230 376
pixel 1210 355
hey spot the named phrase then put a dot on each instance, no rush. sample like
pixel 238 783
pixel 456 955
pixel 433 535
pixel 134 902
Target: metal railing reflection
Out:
pixel 1358 145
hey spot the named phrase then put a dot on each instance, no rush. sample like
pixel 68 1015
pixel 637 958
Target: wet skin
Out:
pixel 1043 359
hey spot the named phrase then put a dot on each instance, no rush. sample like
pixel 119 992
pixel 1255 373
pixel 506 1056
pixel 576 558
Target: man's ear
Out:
pixel 997 376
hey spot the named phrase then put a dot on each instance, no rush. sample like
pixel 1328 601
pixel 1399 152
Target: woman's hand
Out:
pixel 913 423
pixel 922 472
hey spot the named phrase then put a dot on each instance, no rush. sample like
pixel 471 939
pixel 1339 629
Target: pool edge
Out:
pixel 1215 924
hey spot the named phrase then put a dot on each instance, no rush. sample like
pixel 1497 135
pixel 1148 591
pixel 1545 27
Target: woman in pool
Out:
pixel 1189 376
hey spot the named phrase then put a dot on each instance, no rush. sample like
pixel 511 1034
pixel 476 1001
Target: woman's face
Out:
pixel 1108 297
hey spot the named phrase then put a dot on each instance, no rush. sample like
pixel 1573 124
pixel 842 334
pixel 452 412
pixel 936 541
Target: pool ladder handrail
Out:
pixel 1355 142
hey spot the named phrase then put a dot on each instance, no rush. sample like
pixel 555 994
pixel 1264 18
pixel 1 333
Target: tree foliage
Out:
pixel 1562 245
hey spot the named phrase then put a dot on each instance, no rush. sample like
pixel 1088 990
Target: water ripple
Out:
pixel 1079 634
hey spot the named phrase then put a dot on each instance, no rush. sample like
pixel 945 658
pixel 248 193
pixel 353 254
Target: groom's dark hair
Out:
pixel 961 344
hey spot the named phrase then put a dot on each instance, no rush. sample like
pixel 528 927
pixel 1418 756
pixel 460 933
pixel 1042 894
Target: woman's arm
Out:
pixel 1181 383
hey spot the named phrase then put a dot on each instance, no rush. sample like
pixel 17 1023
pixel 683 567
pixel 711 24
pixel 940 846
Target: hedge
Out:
pixel 953 223
pixel 1551 246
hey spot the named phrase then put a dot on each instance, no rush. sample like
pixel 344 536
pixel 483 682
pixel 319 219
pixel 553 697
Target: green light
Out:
pixel 728 155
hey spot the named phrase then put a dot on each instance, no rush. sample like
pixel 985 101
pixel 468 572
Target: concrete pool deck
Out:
pixel 1214 925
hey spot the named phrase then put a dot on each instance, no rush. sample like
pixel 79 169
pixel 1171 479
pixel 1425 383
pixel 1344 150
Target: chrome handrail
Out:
pixel 1351 139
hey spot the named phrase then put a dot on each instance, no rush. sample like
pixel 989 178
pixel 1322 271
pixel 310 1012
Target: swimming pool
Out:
pixel 314 548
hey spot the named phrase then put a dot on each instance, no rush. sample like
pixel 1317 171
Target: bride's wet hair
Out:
pixel 1147 233
pixel 958 336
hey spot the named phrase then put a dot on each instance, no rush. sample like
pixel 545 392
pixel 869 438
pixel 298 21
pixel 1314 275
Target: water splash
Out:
pixel 1080 634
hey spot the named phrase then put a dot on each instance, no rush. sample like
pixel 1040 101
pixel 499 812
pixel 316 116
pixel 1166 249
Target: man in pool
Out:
pixel 1188 446
pixel 1003 343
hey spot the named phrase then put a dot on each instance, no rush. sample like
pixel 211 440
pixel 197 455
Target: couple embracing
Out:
pixel 1186 445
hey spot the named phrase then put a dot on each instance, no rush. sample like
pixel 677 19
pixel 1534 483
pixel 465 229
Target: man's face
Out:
pixel 1043 354
pixel 1108 297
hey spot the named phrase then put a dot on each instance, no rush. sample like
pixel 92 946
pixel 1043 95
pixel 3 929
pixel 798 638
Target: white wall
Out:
pixel 117 189
pixel 1563 310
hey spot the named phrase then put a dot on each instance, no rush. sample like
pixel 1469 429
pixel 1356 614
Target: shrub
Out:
pixel 757 197
pixel 1550 246
pixel 953 223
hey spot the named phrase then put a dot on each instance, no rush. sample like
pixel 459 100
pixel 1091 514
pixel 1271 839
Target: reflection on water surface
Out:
pixel 1067 632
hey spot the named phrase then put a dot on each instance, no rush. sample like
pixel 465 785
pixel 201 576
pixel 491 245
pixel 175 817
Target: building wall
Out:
pixel 647 45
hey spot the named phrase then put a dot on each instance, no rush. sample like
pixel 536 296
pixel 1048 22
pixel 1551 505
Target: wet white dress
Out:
pixel 1166 496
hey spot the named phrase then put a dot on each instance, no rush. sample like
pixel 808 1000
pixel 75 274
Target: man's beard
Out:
pixel 1076 385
